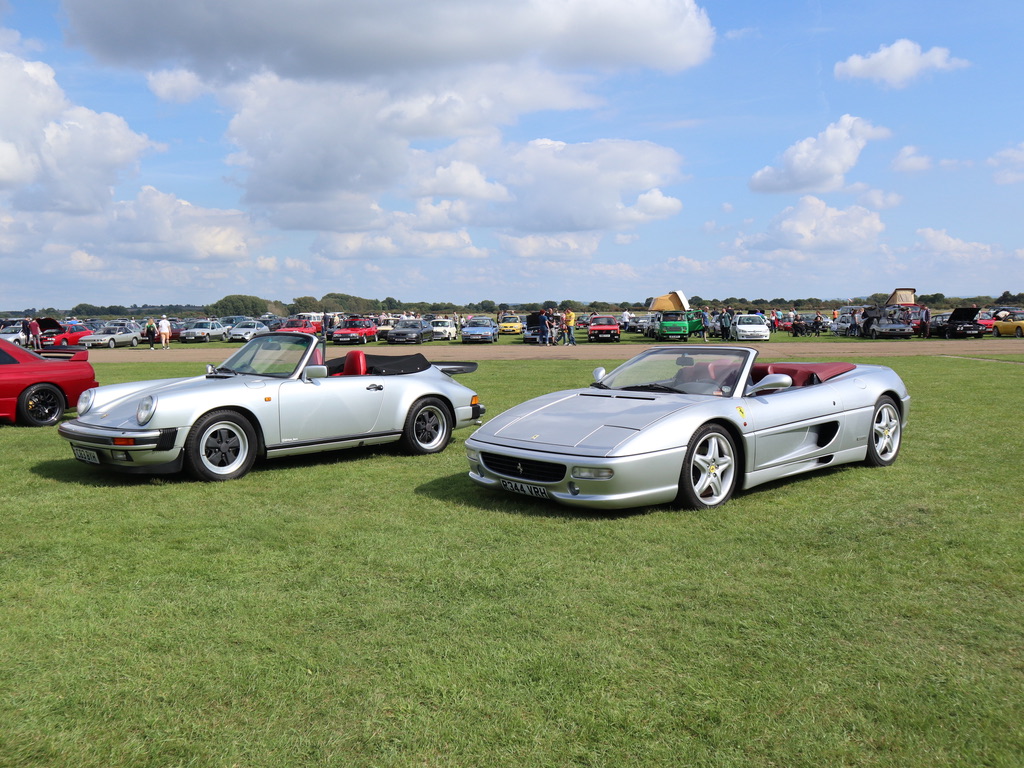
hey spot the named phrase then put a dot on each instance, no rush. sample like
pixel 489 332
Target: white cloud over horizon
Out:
pixel 899 64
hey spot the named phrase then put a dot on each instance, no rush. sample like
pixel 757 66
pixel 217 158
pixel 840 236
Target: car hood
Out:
pixel 116 404
pixel 589 421
pixel 964 314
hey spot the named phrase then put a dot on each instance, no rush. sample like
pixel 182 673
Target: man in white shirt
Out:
pixel 164 329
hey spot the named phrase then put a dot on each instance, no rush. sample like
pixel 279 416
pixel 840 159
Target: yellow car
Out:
pixel 1009 325
pixel 510 324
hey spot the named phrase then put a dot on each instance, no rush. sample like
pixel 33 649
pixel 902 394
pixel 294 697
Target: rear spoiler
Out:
pixel 75 352
pixel 452 369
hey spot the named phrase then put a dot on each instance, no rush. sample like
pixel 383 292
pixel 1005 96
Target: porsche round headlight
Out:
pixel 85 401
pixel 146 409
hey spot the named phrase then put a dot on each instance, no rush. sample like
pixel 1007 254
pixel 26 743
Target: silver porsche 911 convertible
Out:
pixel 276 396
pixel 690 428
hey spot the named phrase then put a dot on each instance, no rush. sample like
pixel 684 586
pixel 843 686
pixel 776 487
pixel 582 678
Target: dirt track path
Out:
pixel 777 348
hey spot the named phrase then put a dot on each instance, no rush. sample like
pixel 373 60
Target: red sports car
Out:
pixel 56 335
pixel 36 388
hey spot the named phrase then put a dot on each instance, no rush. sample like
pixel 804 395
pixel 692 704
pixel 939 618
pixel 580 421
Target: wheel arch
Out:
pixel 248 415
pixel 739 441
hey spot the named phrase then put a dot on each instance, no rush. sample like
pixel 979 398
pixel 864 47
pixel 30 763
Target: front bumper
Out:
pixel 637 481
pixel 150 451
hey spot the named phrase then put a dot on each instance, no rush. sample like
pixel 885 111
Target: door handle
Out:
pixel 375 387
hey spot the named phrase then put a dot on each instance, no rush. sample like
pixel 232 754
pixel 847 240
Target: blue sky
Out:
pixel 461 150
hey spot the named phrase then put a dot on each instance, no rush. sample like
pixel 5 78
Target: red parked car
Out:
pixel 56 335
pixel 37 387
pixel 299 324
pixel 355 330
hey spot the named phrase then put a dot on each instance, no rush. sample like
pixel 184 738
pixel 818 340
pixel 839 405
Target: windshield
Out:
pixel 111 329
pixel 603 320
pixel 479 322
pixel 750 320
pixel 703 372
pixel 356 324
pixel 277 356
pixel 408 324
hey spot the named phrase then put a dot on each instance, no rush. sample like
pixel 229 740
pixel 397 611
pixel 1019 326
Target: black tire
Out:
pixel 995 332
pixel 949 334
pixel 63 342
pixel 111 344
pixel 874 335
pixel 220 446
pixel 428 427
pixel 886 435
pixel 41 405
pixel 1019 333
pixel 135 342
pixel 710 471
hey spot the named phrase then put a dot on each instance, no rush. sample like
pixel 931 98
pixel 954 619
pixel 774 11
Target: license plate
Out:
pixel 525 488
pixel 84 454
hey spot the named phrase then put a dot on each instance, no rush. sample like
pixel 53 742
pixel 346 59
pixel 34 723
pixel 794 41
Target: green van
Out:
pixel 677 324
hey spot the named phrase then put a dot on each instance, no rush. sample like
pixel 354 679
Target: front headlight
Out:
pixel 146 409
pixel 85 401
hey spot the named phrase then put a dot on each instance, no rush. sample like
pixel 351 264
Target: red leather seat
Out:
pixel 355 363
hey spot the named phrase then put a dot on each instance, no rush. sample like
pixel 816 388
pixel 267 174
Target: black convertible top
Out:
pixel 383 365
pixel 390 365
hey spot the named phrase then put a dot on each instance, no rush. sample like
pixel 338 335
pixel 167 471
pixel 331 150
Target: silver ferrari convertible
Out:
pixel 690 428
pixel 276 396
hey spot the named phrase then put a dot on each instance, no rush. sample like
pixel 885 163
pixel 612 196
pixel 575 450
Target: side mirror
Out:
pixel 598 374
pixel 314 372
pixel 771 382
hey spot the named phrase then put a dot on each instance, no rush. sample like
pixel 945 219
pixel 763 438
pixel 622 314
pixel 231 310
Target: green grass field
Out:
pixel 366 608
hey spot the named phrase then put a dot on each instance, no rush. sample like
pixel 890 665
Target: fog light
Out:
pixel 592 473
pixel 119 455
pixel 574 489
pixel 472 454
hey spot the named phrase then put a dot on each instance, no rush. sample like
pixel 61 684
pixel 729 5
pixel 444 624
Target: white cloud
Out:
pixel 176 85
pixel 878 199
pixel 321 39
pixel 819 163
pixel 941 245
pixel 812 227
pixel 1008 164
pixel 55 156
pixel 462 179
pixel 908 160
pixel 553 246
pixel 898 64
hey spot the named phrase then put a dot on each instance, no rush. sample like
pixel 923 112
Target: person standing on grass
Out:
pixel 164 329
pixel 725 321
pixel 570 323
pixel 150 332
pixel 35 334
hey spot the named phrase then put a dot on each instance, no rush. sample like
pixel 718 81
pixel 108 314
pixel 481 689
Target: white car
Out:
pixel 444 330
pixel 13 334
pixel 246 329
pixel 204 330
pixel 116 334
pixel 749 328
pixel 274 397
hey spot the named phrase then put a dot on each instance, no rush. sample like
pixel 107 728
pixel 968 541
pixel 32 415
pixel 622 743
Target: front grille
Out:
pixel 524 469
